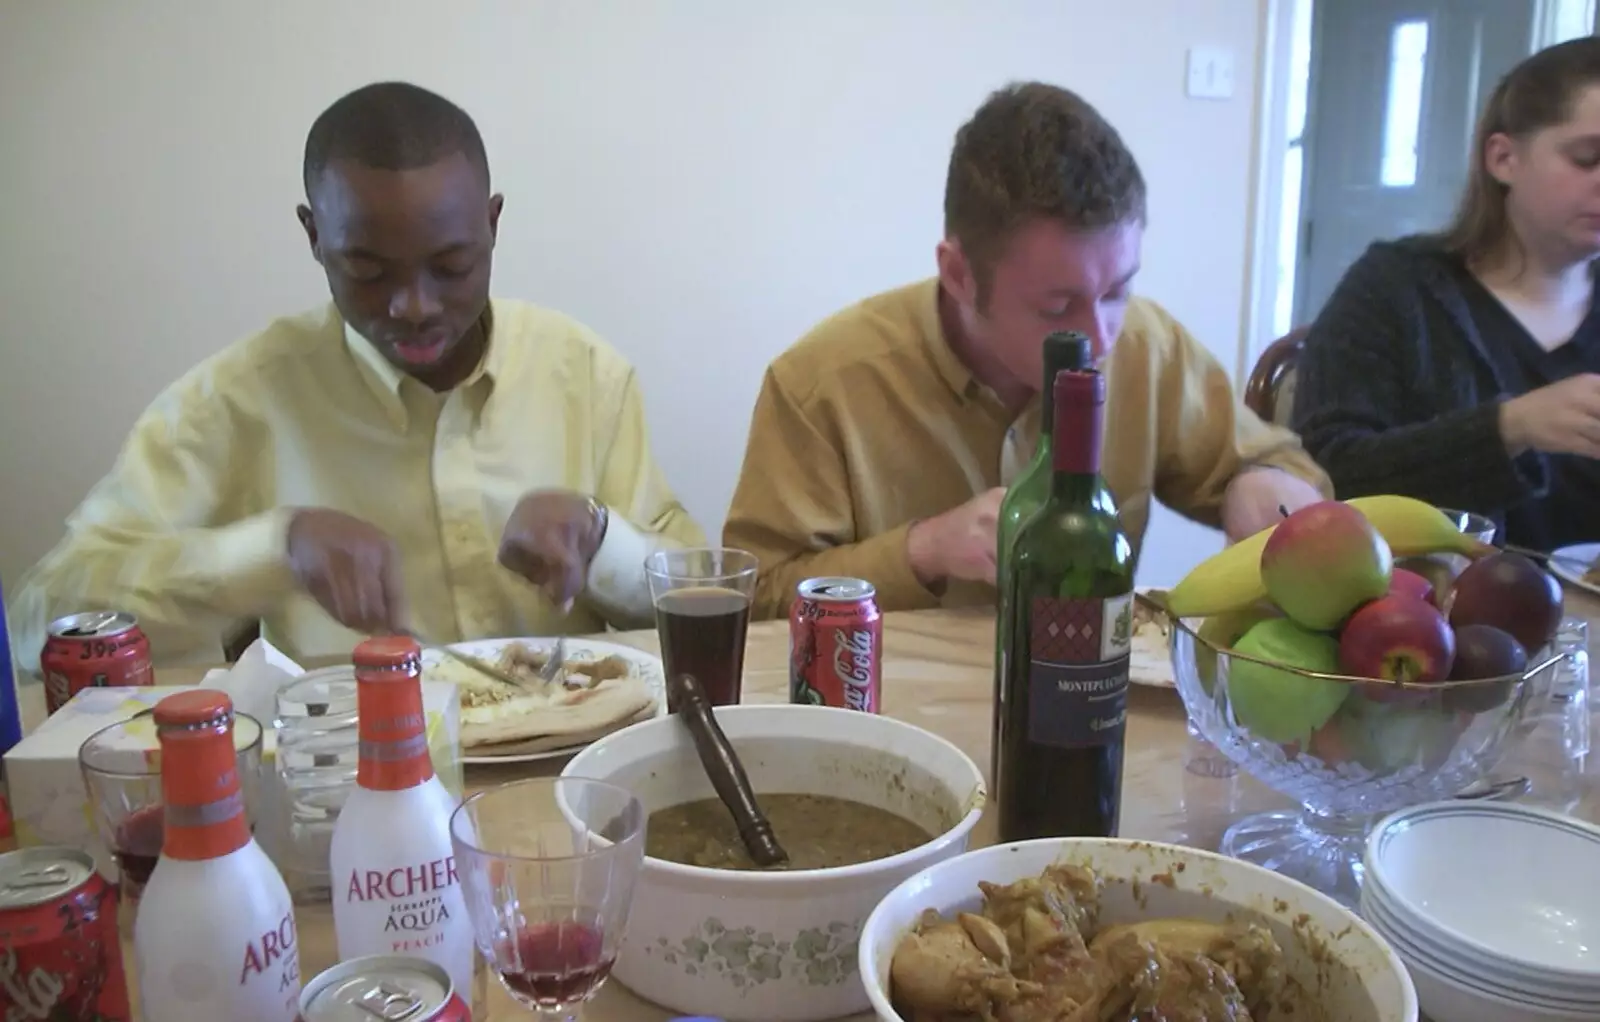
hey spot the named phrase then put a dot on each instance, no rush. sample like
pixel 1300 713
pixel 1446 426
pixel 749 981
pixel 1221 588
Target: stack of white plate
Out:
pixel 1494 908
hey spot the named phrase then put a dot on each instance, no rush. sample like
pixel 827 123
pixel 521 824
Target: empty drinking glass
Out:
pixel 548 867
pixel 702 599
pixel 317 754
pixel 1552 746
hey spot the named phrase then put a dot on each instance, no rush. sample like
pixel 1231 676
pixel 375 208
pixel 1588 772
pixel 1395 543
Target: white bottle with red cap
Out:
pixel 214 937
pixel 392 867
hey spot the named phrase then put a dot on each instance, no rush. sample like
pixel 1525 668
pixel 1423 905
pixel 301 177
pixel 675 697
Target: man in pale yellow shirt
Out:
pixel 881 442
pixel 412 457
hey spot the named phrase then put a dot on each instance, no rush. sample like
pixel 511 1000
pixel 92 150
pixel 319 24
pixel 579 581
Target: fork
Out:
pixel 558 659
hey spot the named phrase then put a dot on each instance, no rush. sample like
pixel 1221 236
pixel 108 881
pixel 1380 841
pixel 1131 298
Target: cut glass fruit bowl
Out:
pixel 1387 746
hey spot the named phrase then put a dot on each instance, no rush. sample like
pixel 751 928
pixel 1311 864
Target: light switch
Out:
pixel 1210 73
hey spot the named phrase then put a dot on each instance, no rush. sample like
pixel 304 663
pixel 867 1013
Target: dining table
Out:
pixel 938 674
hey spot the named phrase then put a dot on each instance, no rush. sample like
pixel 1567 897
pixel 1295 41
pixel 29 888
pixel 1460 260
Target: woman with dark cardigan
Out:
pixel 1464 368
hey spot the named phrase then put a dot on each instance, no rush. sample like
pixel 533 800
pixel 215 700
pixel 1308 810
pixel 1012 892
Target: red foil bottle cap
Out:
pixel 388 653
pixel 1080 387
pixel 1080 395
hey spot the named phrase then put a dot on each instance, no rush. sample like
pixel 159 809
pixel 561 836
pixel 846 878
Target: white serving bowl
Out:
pixel 1338 958
pixel 1492 906
pixel 1505 883
pixel 769 946
pixel 1444 987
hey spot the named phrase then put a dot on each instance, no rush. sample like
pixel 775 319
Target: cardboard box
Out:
pixel 50 807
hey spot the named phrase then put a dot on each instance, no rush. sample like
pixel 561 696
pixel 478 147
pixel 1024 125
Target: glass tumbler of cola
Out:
pixel 702 599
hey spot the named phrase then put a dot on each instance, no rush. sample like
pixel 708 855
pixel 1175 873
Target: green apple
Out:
pixel 1275 704
pixel 1222 631
pixel 1387 737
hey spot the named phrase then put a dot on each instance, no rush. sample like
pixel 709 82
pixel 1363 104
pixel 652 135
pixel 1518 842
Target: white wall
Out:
pixel 699 180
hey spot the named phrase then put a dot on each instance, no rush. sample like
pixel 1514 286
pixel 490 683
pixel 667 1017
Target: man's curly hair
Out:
pixel 1035 150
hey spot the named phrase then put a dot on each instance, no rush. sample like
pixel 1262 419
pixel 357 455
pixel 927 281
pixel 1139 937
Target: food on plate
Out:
pixel 1035 952
pixel 589 697
pixel 1276 704
pixel 1149 662
pixel 818 832
pixel 1511 593
pixel 1231 579
pixel 1591 575
pixel 1322 562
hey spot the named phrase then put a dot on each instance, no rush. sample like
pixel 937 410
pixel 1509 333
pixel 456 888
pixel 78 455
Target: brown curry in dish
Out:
pixel 818 832
pixel 1035 953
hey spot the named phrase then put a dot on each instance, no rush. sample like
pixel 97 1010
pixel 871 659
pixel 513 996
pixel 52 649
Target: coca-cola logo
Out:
pixel 32 996
pixel 852 664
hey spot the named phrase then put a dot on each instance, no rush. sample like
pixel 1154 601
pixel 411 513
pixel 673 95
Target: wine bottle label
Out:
pixel 1078 670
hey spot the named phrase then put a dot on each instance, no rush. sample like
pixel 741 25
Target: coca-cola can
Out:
pixel 97 649
pixel 836 644
pixel 59 955
pixel 383 986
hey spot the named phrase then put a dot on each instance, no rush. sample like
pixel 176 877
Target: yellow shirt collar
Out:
pixel 386 378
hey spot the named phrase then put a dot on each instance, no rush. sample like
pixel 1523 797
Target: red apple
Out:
pixel 1509 592
pixel 1440 570
pixel 1397 638
pixel 1409 583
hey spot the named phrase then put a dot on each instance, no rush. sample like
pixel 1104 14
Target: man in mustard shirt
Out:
pixel 413 456
pixel 881 442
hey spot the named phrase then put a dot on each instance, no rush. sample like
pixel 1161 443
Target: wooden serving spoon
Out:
pixel 726 772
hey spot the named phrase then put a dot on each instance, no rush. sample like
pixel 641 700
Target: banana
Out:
pixel 1413 528
pixel 1226 581
pixel 1230 580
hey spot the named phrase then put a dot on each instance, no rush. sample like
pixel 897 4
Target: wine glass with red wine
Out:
pixel 548 867
pixel 121 767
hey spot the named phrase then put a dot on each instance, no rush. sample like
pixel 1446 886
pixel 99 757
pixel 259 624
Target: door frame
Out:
pixel 1275 30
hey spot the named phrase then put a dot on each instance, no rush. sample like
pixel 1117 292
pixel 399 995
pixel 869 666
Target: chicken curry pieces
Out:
pixel 1035 953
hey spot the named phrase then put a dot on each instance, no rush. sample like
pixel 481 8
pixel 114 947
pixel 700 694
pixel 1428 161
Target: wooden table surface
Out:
pixel 938 675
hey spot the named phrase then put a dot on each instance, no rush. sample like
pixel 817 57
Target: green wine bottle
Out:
pixel 1063 352
pixel 1064 691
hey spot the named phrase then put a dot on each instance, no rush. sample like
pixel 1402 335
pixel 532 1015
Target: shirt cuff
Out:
pixel 249 561
pixel 617 581
pixel 886 563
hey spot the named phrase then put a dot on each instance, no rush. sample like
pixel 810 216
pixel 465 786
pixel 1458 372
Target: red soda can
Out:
pixel 59 955
pixel 383 986
pixel 97 649
pixel 836 644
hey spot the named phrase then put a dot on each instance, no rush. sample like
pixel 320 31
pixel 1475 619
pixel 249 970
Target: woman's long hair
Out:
pixel 1538 93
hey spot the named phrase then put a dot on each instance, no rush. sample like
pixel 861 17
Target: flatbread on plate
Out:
pixel 1149 660
pixel 589 700
pixel 550 743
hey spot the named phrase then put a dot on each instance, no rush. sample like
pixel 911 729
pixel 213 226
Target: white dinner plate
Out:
pixel 1564 564
pixel 646 666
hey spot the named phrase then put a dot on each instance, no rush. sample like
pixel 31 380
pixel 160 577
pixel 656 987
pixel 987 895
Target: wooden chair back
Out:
pixel 1270 390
